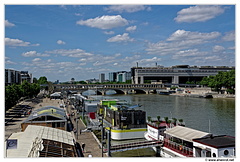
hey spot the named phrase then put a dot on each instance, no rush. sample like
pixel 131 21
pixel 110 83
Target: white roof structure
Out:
pixel 30 142
pixel 185 133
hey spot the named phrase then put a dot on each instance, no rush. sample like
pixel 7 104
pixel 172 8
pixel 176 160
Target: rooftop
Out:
pixel 55 112
pixel 184 133
pixel 217 141
pixel 42 141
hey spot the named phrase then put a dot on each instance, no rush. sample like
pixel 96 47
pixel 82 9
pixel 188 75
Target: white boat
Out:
pixel 180 141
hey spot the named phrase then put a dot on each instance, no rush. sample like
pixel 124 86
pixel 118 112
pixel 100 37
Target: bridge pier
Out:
pixel 103 92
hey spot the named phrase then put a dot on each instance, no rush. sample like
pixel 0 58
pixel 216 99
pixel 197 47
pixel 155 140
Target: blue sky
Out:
pixel 81 41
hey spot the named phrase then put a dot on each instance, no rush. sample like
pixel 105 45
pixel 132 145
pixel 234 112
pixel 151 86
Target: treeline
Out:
pixel 13 93
pixel 221 80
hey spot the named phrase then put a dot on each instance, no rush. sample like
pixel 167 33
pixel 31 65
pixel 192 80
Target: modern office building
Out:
pixel 101 77
pixel 123 76
pixel 178 74
pixel 12 77
pixel 26 76
pixel 113 76
pixel 120 76
pixel 17 77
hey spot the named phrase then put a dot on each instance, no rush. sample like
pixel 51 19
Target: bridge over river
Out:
pixel 103 88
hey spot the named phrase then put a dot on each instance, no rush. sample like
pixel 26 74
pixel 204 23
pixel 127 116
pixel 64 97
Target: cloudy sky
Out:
pixel 81 41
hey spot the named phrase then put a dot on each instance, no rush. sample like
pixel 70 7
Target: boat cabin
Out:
pixel 214 146
pixel 179 140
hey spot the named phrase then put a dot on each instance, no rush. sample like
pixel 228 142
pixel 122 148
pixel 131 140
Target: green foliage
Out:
pixel 42 80
pixel 149 118
pixel 222 79
pixel 188 82
pixel 14 92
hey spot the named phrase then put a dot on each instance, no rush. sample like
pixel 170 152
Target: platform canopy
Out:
pixel 40 141
pixel 57 113
pixel 186 134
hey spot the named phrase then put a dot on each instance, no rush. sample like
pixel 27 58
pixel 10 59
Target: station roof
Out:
pixel 217 141
pixel 40 141
pixel 55 112
pixel 184 133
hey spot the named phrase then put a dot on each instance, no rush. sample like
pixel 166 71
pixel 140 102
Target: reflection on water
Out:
pixel 198 113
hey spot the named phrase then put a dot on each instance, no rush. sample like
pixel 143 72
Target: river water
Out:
pixel 216 115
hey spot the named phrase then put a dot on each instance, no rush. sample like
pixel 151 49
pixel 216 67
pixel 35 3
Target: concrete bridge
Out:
pixel 103 88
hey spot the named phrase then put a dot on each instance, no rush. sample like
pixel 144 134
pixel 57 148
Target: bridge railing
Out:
pixel 104 86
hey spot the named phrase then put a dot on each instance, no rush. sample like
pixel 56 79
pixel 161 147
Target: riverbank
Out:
pixel 202 94
pixel 194 92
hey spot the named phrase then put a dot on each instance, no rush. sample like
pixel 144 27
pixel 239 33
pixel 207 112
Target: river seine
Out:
pixel 214 115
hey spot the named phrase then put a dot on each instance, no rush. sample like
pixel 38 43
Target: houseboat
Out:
pixel 125 120
pixel 181 141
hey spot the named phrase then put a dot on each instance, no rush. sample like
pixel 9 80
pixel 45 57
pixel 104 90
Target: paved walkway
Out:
pixel 92 147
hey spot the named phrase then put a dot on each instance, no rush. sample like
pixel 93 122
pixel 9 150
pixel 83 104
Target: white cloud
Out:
pixel 36 60
pixel 127 8
pixel 8 24
pixel 17 43
pixel 121 38
pixel 188 35
pixel 154 59
pixel 70 52
pixel 109 32
pixel 229 36
pixel 200 13
pixel 34 54
pixel 8 61
pixel 218 48
pixel 61 42
pixel 131 28
pixel 104 22
pixel 189 54
pixel 180 40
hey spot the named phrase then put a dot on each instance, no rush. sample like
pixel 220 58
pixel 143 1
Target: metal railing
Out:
pixel 179 148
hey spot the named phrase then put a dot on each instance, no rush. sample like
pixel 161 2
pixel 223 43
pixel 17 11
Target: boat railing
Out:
pixel 179 148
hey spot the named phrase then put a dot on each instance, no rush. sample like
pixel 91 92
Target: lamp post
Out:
pixel 102 131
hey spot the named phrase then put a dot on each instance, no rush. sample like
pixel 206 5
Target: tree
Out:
pixel 149 118
pixel 158 118
pixel 42 80
pixel 222 79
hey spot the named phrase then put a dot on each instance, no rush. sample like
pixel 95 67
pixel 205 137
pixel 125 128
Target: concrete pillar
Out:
pixel 141 80
pixel 175 79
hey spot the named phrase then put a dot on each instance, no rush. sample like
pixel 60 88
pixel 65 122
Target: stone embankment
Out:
pixel 202 91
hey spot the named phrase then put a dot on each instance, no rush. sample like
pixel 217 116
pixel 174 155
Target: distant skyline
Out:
pixel 81 41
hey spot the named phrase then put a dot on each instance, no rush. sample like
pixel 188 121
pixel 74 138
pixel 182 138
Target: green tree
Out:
pixel 222 79
pixel 42 80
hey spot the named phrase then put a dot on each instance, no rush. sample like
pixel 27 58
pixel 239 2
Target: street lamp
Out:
pixel 102 131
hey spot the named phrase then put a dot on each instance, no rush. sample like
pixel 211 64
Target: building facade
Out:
pixel 101 77
pixel 120 76
pixel 178 74
pixel 17 77
pixel 113 76
pixel 123 76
